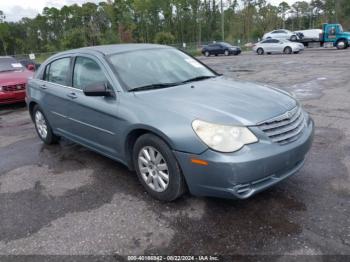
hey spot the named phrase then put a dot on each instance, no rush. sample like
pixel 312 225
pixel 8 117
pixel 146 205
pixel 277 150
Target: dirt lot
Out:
pixel 66 199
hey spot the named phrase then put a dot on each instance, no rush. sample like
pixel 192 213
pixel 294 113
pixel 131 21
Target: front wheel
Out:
pixel 43 127
pixel 157 168
pixel 207 53
pixel 342 44
pixel 288 50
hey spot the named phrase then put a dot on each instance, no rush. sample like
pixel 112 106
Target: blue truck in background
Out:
pixel 331 34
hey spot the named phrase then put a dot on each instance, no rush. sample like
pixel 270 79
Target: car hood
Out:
pixel 220 100
pixel 14 77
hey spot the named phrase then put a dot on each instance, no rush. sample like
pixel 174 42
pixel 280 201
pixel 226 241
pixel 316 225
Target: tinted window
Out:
pixel 87 72
pixel 57 71
pixel 274 41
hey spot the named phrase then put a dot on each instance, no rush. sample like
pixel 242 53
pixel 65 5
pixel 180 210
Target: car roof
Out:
pixel 115 48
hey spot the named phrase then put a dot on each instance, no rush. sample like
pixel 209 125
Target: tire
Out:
pixel 342 44
pixel 227 53
pixel 260 51
pixel 288 50
pixel 42 127
pixel 293 38
pixel 159 171
pixel 206 53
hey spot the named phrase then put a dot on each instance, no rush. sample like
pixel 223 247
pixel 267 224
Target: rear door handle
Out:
pixel 72 95
pixel 43 86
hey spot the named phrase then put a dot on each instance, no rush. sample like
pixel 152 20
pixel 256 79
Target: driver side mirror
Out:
pixel 97 89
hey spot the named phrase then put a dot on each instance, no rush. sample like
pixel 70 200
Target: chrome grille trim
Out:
pixel 285 128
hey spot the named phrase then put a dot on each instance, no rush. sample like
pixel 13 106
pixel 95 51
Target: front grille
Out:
pixel 285 128
pixel 16 87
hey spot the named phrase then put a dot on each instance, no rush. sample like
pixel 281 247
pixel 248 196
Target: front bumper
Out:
pixel 12 97
pixel 244 173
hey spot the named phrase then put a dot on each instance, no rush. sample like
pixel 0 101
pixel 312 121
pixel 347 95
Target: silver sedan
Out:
pixel 270 46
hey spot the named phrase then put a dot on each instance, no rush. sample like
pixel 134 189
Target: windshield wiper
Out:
pixel 198 78
pixel 153 86
pixel 165 85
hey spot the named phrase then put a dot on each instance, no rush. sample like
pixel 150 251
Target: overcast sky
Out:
pixel 15 10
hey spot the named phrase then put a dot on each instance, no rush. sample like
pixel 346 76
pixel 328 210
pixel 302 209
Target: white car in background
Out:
pixel 270 46
pixel 281 34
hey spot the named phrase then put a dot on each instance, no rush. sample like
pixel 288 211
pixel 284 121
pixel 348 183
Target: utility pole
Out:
pixel 222 21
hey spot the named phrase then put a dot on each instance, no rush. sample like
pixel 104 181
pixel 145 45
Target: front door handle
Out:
pixel 72 95
pixel 43 86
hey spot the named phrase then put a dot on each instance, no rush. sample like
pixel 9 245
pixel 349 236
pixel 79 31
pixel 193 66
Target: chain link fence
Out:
pixel 193 48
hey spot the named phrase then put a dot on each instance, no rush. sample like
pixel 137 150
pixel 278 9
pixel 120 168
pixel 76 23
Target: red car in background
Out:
pixel 13 80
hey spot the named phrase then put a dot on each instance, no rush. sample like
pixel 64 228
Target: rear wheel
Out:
pixel 227 53
pixel 43 127
pixel 157 168
pixel 260 51
pixel 342 44
pixel 293 38
pixel 288 50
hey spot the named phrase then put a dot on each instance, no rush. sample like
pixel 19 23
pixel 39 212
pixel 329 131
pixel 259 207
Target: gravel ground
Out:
pixel 67 200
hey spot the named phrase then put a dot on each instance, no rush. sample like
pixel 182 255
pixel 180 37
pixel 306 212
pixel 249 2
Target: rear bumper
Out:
pixel 12 97
pixel 244 173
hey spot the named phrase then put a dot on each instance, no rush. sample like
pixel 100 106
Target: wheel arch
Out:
pixel 132 136
pixel 342 39
pixel 31 106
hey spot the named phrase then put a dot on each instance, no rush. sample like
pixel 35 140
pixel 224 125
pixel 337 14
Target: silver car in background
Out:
pixel 281 34
pixel 270 46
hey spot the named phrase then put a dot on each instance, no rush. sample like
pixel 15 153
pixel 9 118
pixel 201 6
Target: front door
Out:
pixel 92 118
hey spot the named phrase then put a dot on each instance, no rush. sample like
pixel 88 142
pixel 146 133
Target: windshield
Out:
pixel 161 67
pixel 9 64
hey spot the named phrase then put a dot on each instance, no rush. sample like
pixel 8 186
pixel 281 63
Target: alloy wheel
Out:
pixel 153 168
pixel 40 124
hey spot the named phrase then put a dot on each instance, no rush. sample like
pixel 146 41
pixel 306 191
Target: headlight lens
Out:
pixel 223 138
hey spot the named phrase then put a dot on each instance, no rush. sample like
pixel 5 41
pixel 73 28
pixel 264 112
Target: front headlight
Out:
pixel 223 138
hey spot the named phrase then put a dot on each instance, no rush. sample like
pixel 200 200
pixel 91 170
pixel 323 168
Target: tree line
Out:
pixel 165 22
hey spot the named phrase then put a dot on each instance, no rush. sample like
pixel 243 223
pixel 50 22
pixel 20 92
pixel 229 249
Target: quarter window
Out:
pixel 57 71
pixel 87 72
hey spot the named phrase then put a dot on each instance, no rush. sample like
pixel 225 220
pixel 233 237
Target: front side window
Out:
pixel 87 72
pixel 157 66
pixel 57 71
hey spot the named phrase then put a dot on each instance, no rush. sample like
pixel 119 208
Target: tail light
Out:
pixel 14 87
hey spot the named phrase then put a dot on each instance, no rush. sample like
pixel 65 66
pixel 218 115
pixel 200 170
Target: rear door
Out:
pixel 266 45
pixel 275 46
pixel 53 88
pixel 93 120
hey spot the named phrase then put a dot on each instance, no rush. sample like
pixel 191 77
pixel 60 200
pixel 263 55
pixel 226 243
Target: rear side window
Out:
pixel 267 41
pixel 87 72
pixel 57 71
